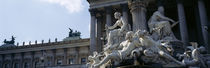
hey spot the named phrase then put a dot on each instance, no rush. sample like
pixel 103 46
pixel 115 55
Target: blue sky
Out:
pixel 30 20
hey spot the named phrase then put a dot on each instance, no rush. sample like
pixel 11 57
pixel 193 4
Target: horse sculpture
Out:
pixel 10 42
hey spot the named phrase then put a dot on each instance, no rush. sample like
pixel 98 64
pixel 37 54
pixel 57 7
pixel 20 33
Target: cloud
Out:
pixel 71 5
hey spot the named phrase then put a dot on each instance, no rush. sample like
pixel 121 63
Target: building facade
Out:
pixel 192 15
pixel 62 54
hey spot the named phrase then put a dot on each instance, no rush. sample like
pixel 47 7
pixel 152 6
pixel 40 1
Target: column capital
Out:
pixel 137 4
pixel 99 14
pixel 92 12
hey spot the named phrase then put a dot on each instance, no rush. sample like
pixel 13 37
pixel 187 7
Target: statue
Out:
pixel 158 48
pixel 194 59
pixel 94 59
pixel 70 32
pixel 152 48
pixel 160 26
pixel 10 42
pixel 116 36
pixel 124 51
pixel 73 34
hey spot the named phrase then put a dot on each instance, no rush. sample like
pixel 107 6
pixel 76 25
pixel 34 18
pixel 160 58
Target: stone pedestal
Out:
pixel 138 11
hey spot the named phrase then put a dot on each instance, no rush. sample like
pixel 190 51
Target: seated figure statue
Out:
pixel 124 51
pixel 116 36
pixel 160 26
pixel 152 48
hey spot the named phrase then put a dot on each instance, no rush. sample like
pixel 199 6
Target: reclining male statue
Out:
pixel 152 48
pixel 124 51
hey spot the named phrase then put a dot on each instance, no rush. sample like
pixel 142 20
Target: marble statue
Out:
pixel 160 26
pixel 94 59
pixel 152 48
pixel 125 47
pixel 116 36
pixel 194 58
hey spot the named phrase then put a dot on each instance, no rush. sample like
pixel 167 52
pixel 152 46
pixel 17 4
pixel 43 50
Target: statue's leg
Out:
pixel 167 56
pixel 111 36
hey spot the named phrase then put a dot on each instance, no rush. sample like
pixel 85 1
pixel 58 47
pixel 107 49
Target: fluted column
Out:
pixel 92 31
pixel 99 44
pixel 182 22
pixel 204 23
pixel 138 11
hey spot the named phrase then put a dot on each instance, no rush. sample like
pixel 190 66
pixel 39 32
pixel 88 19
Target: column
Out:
pixel 22 60
pixel 77 55
pixel 53 57
pixel 12 59
pixel 32 59
pixel 138 11
pixel 99 44
pixel 92 31
pixel 108 16
pixel 125 12
pixel 65 56
pixel 182 23
pixel 204 22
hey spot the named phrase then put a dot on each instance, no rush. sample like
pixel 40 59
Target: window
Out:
pixel 16 65
pixel 36 64
pixel 6 65
pixel 83 60
pixel 48 63
pixel 59 62
pixel 71 61
pixel 26 65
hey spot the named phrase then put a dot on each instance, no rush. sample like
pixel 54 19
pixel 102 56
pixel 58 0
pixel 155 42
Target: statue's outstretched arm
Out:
pixel 114 26
pixel 165 18
pixel 120 46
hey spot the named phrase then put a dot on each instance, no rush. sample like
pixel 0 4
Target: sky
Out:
pixel 30 20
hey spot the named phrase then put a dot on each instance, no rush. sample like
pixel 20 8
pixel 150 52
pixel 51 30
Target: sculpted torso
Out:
pixel 150 44
pixel 127 48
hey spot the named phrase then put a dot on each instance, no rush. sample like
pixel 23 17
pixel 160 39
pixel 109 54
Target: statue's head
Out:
pixel 117 15
pixel 194 45
pixel 161 9
pixel 129 35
